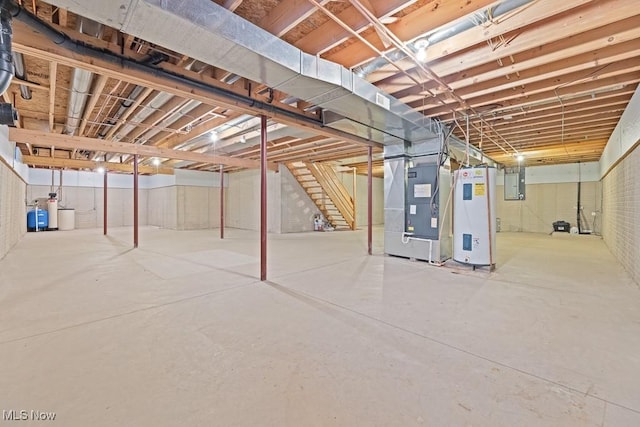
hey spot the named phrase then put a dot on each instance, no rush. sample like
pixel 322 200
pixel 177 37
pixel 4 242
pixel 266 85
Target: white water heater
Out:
pixel 52 208
pixel 474 216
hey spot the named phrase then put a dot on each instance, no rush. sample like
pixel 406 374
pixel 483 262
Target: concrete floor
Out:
pixel 180 332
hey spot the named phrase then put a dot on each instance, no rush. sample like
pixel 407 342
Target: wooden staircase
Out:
pixel 323 186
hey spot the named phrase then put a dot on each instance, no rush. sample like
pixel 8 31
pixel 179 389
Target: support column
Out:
pixel 221 201
pixel 135 200
pixel 263 197
pixel 369 200
pixel 104 195
pixel 355 200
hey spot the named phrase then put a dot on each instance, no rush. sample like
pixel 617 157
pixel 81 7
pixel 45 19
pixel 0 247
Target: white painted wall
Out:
pixel 11 155
pixel 552 195
pixel 243 201
pixel 625 136
pixel 554 174
pixel 361 197
pixel 186 200
pixel 296 207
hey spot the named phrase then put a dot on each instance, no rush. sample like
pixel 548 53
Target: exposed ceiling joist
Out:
pixel 77 142
pixel 59 163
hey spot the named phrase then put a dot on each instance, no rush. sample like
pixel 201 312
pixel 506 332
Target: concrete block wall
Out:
pixel 13 221
pixel 621 216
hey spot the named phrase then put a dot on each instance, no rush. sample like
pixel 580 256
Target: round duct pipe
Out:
pixel 8 9
pixel 8 114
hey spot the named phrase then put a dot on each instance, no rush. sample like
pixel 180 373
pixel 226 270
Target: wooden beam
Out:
pixel 92 144
pixel 53 74
pixel 16 81
pixel 331 34
pixel 232 4
pixel 99 85
pixel 537 80
pixel 554 34
pixel 193 118
pixel 129 111
pixel 286 15
pixel 517 75
pixel 59 163
pixel 198 130
pixel 63 17
pixel 32 43
pixel 169 107
pixel 548 95
pixel 414 24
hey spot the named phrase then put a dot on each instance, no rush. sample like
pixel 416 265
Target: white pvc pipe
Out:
pixel 406 238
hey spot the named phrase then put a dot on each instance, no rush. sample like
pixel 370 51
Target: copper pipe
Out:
pixel 135 200
pixel 104 194
pixel 370 200
pixel 263 197
pixel 221 201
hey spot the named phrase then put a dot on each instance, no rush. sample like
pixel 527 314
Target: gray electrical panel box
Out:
pixel 421 203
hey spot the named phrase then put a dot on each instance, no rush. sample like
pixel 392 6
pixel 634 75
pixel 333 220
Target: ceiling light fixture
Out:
pixel 100 170
pixel 520 158
pixel 386 20
pixel 243 139
pixel 156 162
pixel 214 136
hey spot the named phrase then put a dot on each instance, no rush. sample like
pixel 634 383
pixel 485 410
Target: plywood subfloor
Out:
pixel 180 332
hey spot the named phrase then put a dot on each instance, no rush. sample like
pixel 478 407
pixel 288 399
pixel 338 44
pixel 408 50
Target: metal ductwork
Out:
pixel 21 74
pixel 443 34
pixel 80 81
pixel 155 104
pixel 7 10
pixel 349 102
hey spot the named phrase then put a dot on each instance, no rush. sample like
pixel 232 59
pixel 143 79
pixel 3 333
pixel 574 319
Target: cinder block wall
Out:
pixel 621 206
pixel 13 220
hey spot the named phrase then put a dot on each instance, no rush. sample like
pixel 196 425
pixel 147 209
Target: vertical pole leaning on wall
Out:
pixel 369 200
pixel 355 201
pixel 104 202
pixel 263 197
pixel 135 200
pixel 492 264
pixel 221 201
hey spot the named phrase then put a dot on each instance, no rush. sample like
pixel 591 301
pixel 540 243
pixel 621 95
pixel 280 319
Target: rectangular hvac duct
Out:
pixel 212 34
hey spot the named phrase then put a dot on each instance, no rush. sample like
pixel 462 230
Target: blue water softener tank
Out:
pixel 37 220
